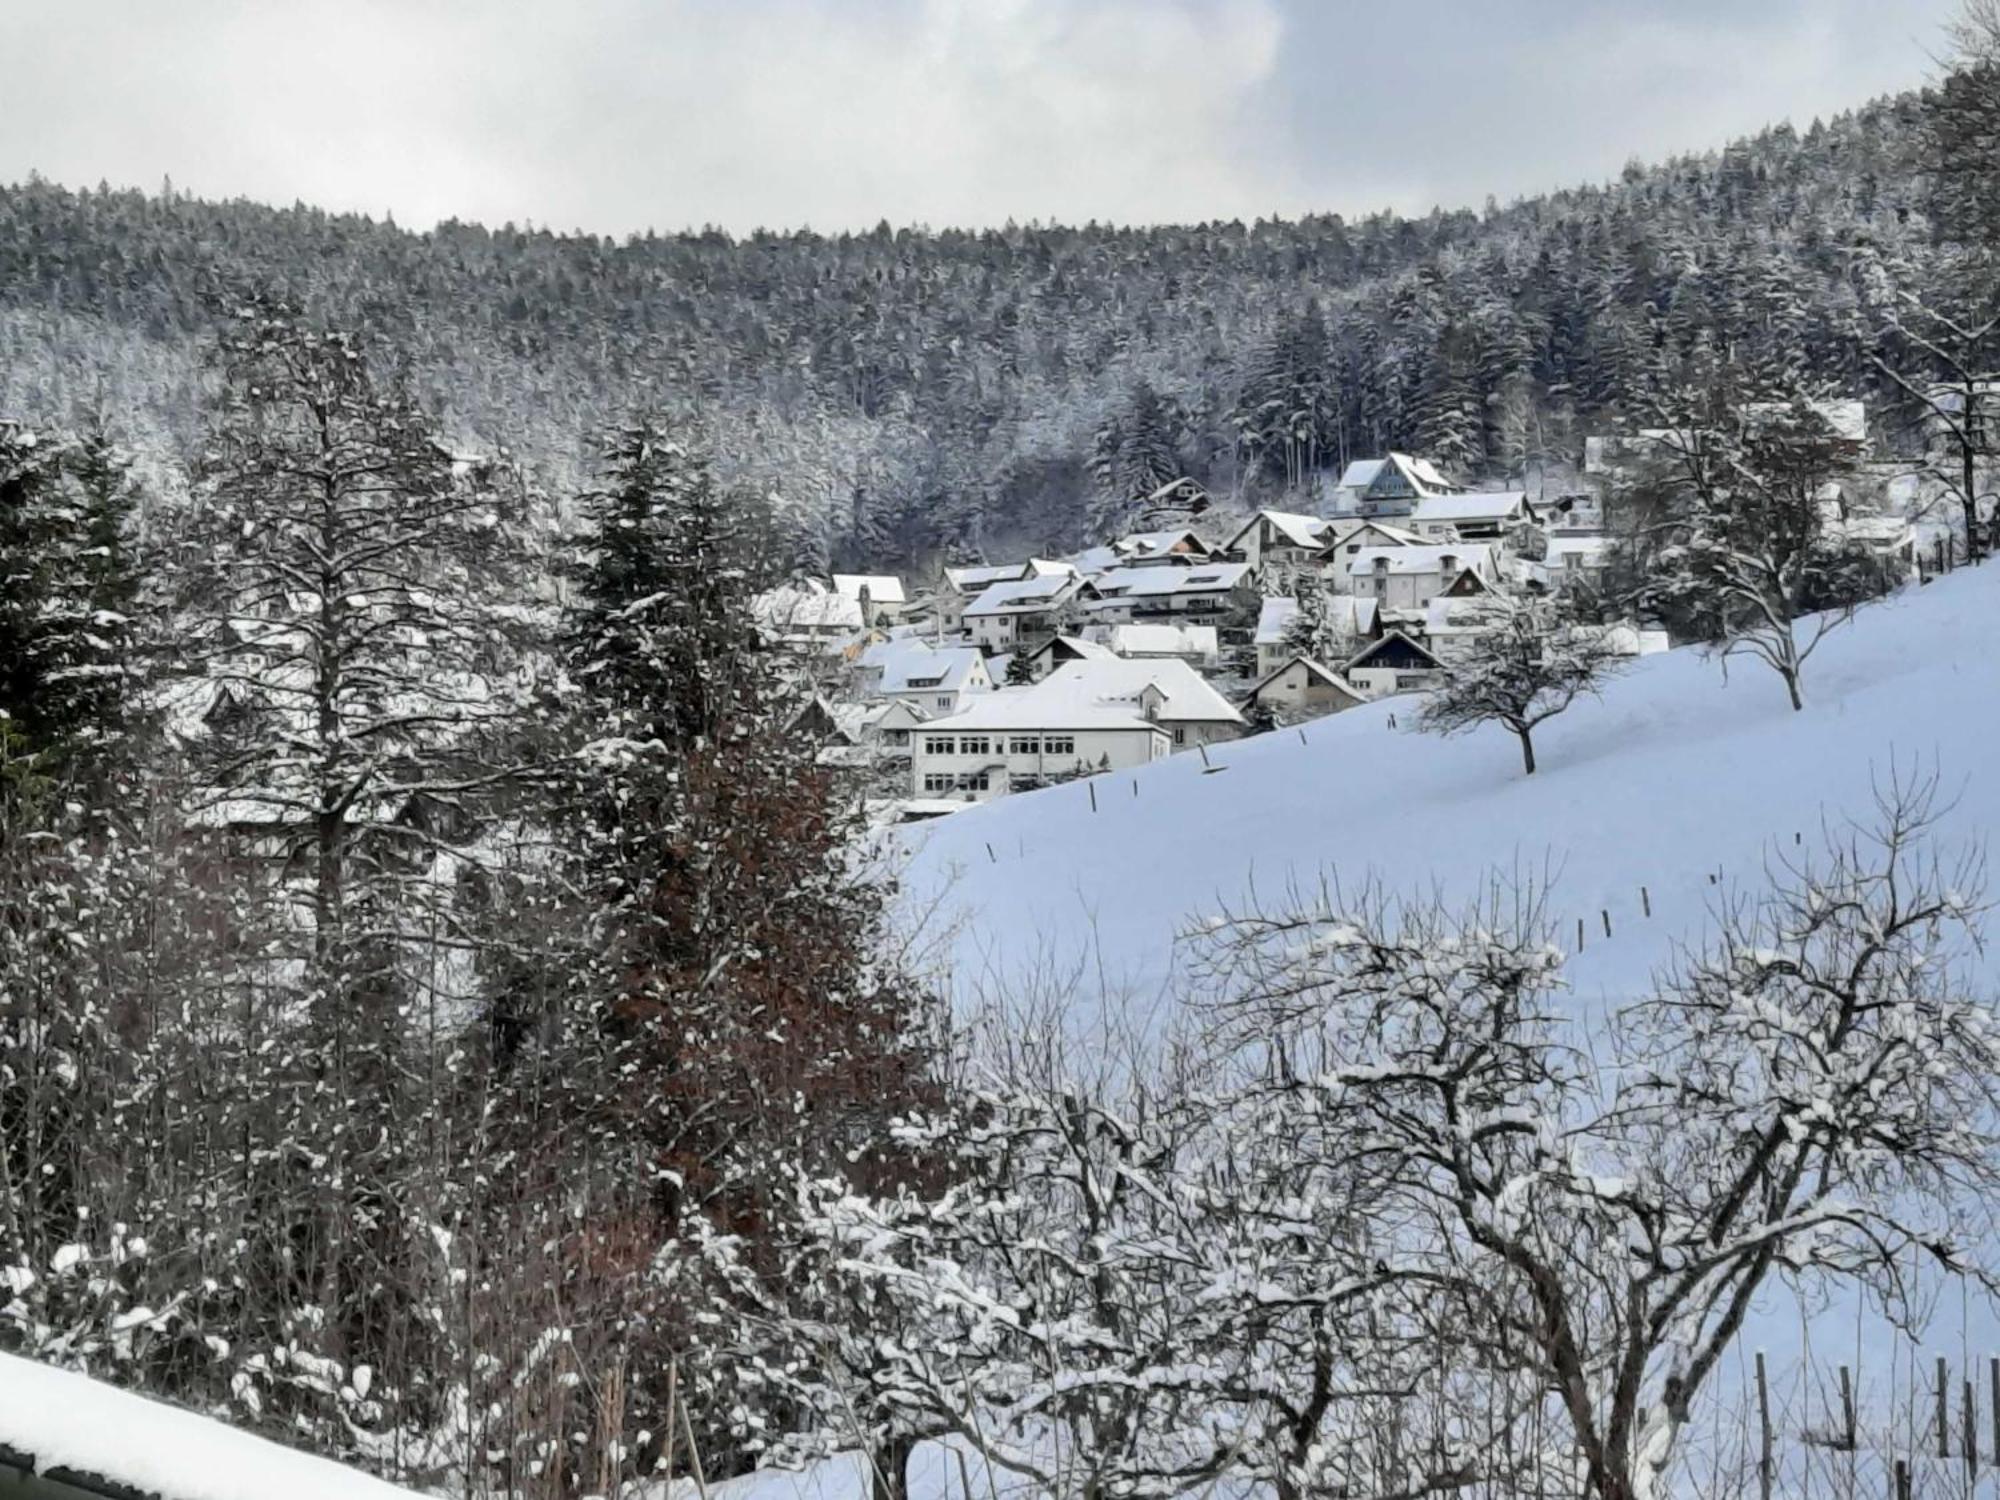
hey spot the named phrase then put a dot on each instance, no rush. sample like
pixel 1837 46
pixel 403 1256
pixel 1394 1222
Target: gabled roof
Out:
pixel 933 669
pixel 1080 649
pixel 1022 596
pixel 1393 644
pixel 1297 530
pixel 883 588
pixel 972 580
pixel 1187 694
pixel 1393 536
pixel 1477 556
pixel 1325 674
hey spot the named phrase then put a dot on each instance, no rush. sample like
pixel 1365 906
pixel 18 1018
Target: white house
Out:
pixel 1008 615
pixel 1394 664
pixel 879 596
pixel 1300 688
pixel 1278 539
pixel 805 613
pixel 958 587
pixel 1211 590
pixel 1194 644
pixel 1387 486
pixel 1349 539
pixel 1173 694
pixel 937 679
pixel 1157 548
pixel 1410 577
pixel 1351 616
pixel 1022 738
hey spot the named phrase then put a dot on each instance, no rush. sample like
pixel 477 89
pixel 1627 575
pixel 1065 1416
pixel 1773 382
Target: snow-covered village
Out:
pixel 1065 750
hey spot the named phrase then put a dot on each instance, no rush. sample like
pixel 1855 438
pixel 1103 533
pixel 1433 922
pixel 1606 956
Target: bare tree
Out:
pixel 1536 663
pixel 1812 1097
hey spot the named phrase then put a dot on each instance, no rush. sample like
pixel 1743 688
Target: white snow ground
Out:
pixel 1676 774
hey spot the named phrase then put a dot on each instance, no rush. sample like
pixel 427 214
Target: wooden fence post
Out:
pixel 1902 1479
pixel 1971 1434
pixel 1943 1410
pixel 1846 1410
pixel 1763 1431
pixel 1645 901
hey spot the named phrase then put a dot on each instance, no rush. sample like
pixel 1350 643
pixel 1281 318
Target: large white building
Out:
pixel 1410 577
pixel 1091 715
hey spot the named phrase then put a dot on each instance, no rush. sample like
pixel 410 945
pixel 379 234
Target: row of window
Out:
pixel 969 781
pixel 980 744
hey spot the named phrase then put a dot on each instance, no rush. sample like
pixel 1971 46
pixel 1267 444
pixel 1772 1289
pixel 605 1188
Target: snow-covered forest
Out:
pixel 464 1012
pixel 910 395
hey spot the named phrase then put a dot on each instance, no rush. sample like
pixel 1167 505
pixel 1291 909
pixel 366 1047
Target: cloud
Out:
pixel 617 115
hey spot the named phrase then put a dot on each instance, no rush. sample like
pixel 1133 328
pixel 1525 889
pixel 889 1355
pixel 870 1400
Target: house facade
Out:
pixel 1300 688
pixel 1408 578
pixel 1023 613
pixel 1394 664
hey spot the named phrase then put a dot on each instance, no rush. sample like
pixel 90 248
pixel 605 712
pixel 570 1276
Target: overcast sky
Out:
pixel 619 115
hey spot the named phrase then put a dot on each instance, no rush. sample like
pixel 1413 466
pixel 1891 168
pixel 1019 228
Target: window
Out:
pixel 1180 734
pixel 937 783
pixel 974 781
pixel 974 744
pixel 924 682
pixel 1059 744
pixel 944 700
pixel 938 744
pixel 1024 745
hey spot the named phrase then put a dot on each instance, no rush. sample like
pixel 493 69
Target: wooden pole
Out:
pixel 1846 1410
pixel 1645 901
pixel 1993 1401
pixel 1763 1432
pixel 1971 1433
pixel 1902 1479
pixel 1579 934
pixel 1605 913
pixel 1943 1410
pixel 1091 787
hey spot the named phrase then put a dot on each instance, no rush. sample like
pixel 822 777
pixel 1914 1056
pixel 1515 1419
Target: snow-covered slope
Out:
pixel 1678 774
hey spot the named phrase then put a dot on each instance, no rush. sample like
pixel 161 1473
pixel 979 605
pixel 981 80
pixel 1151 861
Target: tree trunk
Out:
pixel 1527 738
pixel 890 1472
pixel 1791 676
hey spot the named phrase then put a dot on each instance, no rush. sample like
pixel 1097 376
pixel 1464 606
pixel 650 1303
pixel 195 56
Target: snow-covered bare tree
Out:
pixel 1535 662
pixel 1811 1097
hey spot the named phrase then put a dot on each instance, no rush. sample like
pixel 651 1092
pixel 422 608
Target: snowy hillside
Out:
pixel 1678 774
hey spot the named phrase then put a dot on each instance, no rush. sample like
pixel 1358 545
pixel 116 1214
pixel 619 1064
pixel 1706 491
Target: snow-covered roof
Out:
pixel 1022 595
pixel 1325 674
pixel 1203 578
pixel 1148 544
pixel 1361 473
pixel 1164 640
pixel 1274 618
pixel 933 669
pixel 1421 472
pixel 1026 708
pixel 1297 530
pixel 1103 693
pixel 1491 505
pixel 1590 548
pixel 1389 642
pixel 1186 693
pixel 1084 649
pixel 971 580
pixel 1427 559
pixel 1347 528
pixel 883 588
pixel 810 605
pixel 71 1425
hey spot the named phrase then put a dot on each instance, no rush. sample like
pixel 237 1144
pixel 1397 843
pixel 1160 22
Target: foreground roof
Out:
pixel 82 1432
